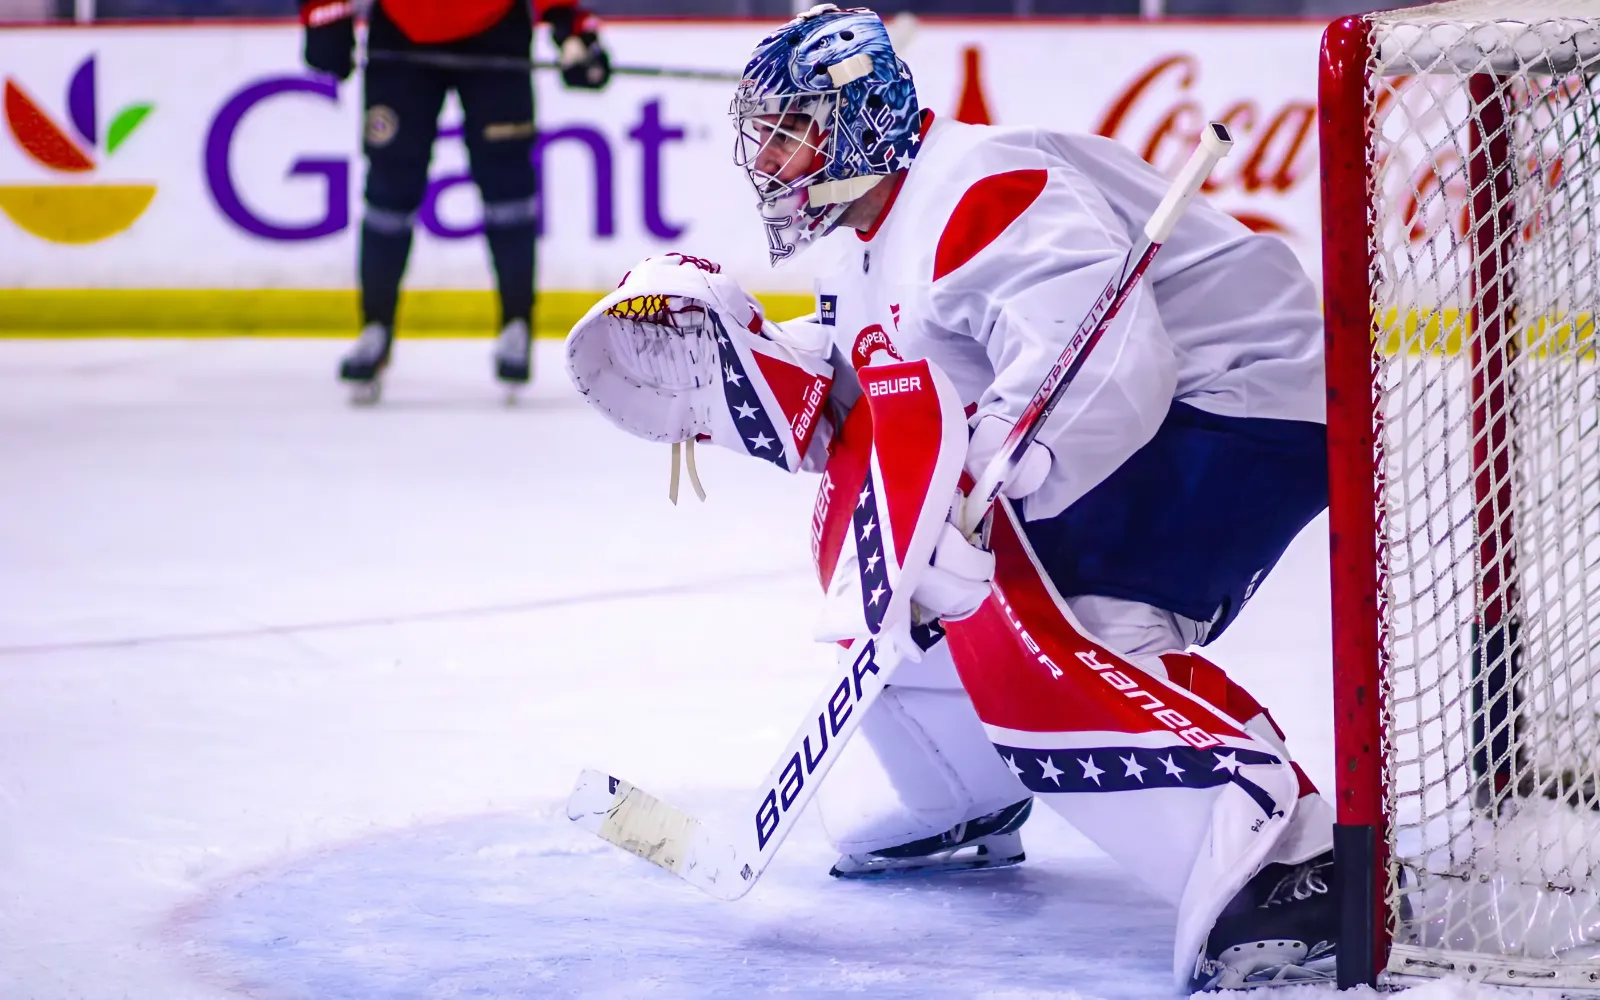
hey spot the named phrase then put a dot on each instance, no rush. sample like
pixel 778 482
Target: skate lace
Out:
pixel 1305 881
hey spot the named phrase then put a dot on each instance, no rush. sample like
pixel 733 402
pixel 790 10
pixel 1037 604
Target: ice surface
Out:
pixel 292 692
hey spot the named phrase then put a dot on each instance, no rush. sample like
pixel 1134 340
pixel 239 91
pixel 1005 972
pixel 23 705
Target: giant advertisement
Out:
pixel 207 157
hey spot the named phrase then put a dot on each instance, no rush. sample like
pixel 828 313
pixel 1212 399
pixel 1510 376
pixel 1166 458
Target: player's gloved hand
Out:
pixel 330 35
pixel 957 581
pixel 988 434
pixel 576 34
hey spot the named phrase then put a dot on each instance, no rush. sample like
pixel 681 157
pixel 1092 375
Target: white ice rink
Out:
pixel 291 694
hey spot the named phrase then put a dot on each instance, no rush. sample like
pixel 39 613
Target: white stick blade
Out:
pixel 632 819
pixel 662 834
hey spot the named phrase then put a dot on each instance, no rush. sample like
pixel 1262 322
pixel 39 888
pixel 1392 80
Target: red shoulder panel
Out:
pixel 982 214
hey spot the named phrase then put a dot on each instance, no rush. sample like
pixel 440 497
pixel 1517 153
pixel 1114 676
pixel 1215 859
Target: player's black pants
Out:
pixel 402 118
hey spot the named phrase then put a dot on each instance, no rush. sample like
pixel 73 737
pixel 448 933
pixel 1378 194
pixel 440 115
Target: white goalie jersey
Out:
pixel 995 246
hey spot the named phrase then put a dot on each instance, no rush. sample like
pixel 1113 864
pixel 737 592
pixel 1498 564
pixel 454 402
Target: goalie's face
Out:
pixel 789 147
pixel 782 142
pixel 785 144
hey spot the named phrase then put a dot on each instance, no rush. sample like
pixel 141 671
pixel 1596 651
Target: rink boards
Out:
pixel 172 177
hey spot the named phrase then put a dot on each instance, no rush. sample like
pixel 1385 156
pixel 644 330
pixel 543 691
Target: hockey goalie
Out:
pixel 1054 650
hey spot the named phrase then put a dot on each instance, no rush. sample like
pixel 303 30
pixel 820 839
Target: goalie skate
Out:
pixel 1280 930
pixel 363 367
pixel 991 841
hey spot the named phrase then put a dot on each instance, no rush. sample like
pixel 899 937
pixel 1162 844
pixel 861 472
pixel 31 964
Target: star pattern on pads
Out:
pixel 871 565
pixel 1125 769
pixel 756 429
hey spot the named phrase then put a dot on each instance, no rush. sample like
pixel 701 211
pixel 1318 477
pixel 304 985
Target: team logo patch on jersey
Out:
pixel 381 126
pixel 828 309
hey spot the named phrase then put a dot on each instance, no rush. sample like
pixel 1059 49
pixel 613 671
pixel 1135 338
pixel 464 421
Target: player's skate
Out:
pixel 1280 930
pixel 991 841
pixel 363 366
pixel 513 355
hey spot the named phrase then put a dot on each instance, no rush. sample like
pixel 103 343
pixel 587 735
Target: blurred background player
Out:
pixel 402 98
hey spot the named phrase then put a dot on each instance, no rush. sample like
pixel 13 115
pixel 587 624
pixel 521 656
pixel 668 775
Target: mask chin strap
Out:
pixel 684 451
pixel 839 192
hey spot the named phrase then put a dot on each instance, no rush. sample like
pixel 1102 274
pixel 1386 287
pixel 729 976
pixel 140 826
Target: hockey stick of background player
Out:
pixel 902 28
pixel 726 863
pixel 511 64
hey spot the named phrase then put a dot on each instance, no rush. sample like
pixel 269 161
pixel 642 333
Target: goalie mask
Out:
pixel 826 110
pixel 679 353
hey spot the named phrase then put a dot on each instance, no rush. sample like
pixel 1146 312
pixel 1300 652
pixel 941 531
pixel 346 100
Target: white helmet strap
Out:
pixel 839 192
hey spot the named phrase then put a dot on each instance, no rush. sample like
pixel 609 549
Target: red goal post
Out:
pixel 1460 147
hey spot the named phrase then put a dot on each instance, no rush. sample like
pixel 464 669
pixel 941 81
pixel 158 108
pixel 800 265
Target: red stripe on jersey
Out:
pixel 982 214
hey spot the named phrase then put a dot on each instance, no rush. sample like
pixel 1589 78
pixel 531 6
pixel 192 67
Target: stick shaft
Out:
pixel 1214 145
pixel 511 64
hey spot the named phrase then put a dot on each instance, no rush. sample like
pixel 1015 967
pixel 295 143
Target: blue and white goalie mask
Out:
pixel 825 112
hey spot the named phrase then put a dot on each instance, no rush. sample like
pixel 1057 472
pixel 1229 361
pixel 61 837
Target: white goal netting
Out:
pixel 1485 166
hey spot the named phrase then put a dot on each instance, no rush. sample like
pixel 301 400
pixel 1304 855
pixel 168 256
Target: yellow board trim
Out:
pixel 288 312
pixel 306 312
pixel 1441 333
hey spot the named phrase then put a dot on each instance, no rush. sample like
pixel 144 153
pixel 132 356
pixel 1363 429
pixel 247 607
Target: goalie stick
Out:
pixel 727 863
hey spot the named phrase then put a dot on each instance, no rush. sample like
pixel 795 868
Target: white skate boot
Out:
pixel 513 355
pixel 363 366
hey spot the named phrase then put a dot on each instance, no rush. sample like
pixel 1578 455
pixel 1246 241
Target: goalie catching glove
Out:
pixel 680 353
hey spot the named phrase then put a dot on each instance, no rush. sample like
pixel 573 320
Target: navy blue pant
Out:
pixel 1193 521
pixel 403 101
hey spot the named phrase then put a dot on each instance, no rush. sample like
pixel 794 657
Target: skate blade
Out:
pixel 512 376
pixel 892 868
pixel 366 393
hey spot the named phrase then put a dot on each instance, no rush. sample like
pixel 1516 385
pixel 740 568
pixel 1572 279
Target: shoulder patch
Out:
pixel 982 214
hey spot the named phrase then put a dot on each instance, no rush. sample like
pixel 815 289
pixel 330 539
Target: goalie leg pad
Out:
pixel 924 764
pixel 1155 639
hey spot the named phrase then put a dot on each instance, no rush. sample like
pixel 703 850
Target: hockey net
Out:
pixel 1461 148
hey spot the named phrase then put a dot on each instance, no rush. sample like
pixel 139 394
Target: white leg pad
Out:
pixel 920 764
